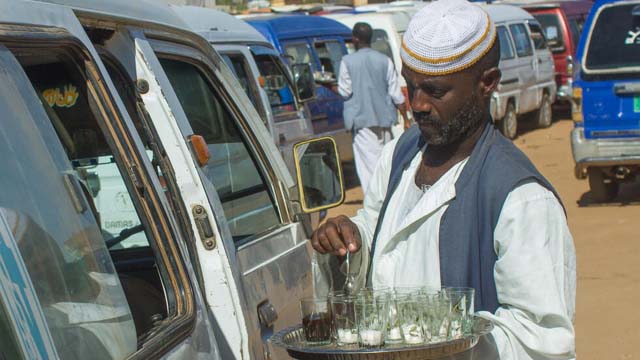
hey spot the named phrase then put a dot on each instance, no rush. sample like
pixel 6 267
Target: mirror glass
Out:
pixel 303 76
pixel 319 174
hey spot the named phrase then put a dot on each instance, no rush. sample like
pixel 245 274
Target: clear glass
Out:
pixel 613 43
pixel 343 312
pixel 411 315
pixel 521 39
pixel 54 225
pixel 554 33
pixel 301 54
pixel 380 42
pixel 282 100
pixel 435 320
pixel 372 314
pixel 539 41
pixel 330 54
pixel 245 197
pixel 316 320
pixel 238 65
pixel 506 49
pixel 461 300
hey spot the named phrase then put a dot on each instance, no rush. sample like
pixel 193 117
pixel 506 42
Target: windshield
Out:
pixel 614 41
pixel 277 86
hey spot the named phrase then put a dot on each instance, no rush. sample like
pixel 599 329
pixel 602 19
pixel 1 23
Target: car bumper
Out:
pixel 602 152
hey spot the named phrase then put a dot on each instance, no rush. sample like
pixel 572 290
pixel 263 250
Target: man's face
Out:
pixel 447 108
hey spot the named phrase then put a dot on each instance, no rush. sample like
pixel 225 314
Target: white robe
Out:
pixel 535 273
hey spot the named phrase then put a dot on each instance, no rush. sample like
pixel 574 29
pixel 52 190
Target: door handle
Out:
pixel 267 313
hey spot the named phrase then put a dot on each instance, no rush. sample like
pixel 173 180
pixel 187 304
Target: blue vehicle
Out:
pixel 322 43
pixel 606 98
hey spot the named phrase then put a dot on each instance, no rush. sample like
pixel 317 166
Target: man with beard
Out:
pixel 453 203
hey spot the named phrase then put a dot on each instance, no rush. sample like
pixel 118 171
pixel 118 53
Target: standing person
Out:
pixel 369 84
pixel 454 203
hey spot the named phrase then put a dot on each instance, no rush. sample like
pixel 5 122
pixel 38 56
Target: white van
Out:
pixel 527 85
pixel 263 75
pixel 128 88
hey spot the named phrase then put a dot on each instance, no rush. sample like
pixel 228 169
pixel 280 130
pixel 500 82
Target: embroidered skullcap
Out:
pixel 447 36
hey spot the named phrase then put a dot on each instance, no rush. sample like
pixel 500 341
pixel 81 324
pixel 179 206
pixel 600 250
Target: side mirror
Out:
pixel 319 173
pixel 305 85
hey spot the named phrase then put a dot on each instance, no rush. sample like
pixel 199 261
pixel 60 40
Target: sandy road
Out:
pixel 607 244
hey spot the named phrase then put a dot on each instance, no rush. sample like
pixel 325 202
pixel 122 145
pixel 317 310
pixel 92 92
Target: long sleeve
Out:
pixel 344 81
pixel 394 89
pixel 535 277
pixel 367 217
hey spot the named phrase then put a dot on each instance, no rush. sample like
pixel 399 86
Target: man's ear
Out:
pixel 489 81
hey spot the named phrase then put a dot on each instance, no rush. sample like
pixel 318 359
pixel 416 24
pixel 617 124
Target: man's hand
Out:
pixel 336 236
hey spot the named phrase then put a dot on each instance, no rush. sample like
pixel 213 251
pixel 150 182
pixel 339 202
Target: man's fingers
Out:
pixel 335 240
pixel 350 234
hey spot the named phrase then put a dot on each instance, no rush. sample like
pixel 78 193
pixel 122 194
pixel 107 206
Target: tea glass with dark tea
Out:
pixel 316 321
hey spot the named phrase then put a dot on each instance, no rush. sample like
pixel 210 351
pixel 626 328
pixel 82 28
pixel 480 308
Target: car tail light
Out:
pixel 576 105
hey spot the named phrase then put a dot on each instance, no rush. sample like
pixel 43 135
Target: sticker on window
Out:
pixel 632 38
pixel 61 97
pixel 636 104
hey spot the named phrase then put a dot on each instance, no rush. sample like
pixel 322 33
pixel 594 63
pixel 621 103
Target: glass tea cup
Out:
pixel 411 317
pixel 462 308
pixel 343 312
pixel 436 318
pixel 316 321
pixel 371 314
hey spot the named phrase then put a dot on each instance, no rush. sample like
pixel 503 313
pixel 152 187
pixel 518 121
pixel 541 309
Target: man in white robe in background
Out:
pixel 466 208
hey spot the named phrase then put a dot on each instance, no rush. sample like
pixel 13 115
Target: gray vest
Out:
pixel 494 169
pixel 369 104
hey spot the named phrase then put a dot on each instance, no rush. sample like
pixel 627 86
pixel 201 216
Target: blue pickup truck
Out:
pixel 322 43
pixel 606 98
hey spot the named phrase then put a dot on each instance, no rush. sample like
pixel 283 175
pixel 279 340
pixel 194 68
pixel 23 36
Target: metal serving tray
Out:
pixel 292 339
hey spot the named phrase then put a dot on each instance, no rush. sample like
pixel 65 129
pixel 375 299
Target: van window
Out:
pixel 615 40
pixel 238 65
pixel 9 348
pixel 506 49
pixel 277 86
pixel 330 55
pixel 380 42
pixel 300 54
pixel 53 221
pixel 521 39
pixel 537 36
pixel 245 197
pixel 554 33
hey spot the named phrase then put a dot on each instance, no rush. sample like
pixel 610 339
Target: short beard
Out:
pixel 463 124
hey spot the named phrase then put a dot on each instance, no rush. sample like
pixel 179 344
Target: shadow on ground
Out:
pixel 628 195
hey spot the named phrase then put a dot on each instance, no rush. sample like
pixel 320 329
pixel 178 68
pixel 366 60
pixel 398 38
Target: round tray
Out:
pixel 292 339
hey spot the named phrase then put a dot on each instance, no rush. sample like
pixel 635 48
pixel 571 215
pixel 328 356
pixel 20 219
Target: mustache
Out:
pixel 425 118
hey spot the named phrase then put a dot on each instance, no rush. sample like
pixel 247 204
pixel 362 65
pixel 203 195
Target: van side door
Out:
pixel 527 65
pixel 545 81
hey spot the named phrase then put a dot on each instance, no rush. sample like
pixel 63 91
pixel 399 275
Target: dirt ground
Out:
pixel 607 246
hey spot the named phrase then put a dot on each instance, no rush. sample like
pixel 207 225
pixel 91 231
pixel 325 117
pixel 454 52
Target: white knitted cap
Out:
pixel 447 36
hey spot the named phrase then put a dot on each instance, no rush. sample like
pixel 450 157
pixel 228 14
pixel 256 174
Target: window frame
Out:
pixel 185 53
pixel 509 40
pixel 181 317
pixel 526 32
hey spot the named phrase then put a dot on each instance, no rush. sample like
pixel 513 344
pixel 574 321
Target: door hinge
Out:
pixel 207 235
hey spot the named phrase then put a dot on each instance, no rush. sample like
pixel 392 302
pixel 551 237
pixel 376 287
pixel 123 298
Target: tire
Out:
pixel 544 115
pixel 602 188
pixel 509 124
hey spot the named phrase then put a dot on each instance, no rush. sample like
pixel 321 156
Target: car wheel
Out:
pixel 509 123
pixel 602 188
pixel 544 115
